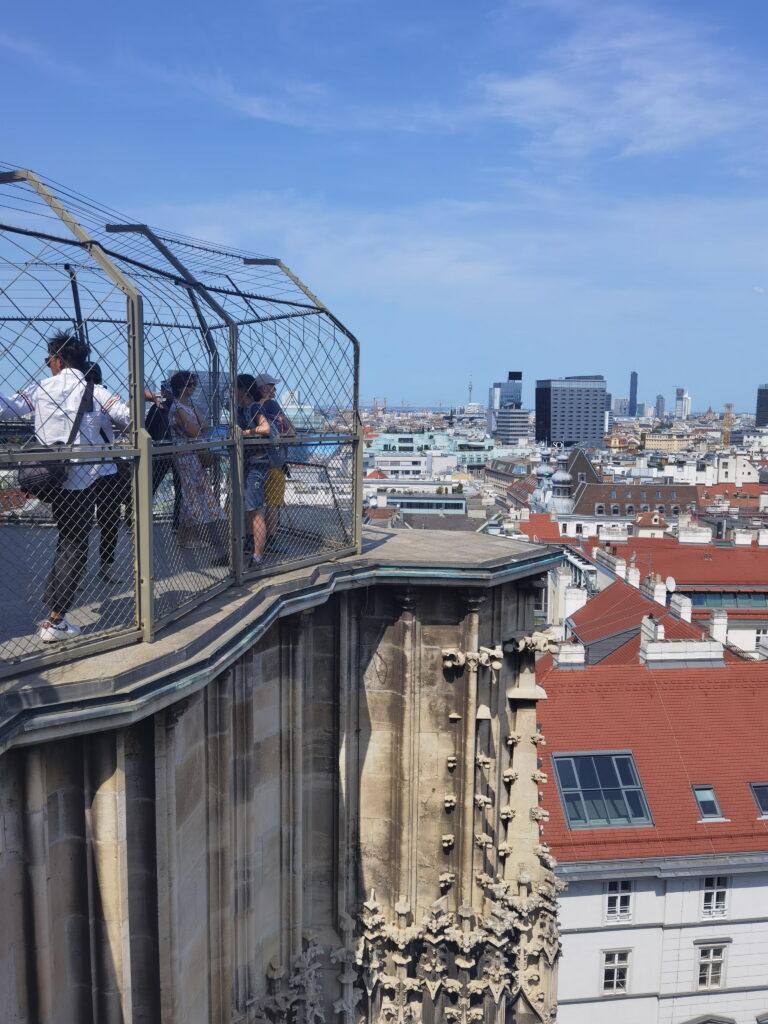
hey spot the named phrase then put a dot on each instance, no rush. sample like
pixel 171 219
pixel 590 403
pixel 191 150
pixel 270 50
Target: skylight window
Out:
pixel 760 793
pixel 601 790
pixel 707 801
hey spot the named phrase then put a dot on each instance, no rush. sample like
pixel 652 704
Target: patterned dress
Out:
pixel 198 502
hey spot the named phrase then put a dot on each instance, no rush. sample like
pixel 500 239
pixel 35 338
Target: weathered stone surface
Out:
pixel 270 844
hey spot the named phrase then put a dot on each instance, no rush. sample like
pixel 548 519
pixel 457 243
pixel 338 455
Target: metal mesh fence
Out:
pixel 73 555
pixel 308 500
pixel 154 309
pixel 190 524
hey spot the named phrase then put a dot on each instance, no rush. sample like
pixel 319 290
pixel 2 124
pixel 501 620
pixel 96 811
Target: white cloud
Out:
pixel 40 57
pixel 628 81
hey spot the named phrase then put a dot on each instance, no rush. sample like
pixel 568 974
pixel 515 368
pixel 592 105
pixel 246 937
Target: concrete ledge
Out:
pixel 116 688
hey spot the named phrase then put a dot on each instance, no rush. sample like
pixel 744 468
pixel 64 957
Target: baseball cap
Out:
pixel 264 379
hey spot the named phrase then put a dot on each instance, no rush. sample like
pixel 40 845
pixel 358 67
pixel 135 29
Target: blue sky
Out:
pixel 555 186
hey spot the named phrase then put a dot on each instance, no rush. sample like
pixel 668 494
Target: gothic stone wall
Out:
pixel 335 828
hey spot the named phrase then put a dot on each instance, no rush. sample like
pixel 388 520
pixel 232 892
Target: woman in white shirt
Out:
pixel 54 402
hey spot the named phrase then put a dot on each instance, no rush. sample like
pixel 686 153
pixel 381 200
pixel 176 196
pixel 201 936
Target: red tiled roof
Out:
pixel 620 608
pixel 748 494
pixel 652 519
pixel 523 489
pixel 697 564
pixel 11 499
pixel 540 527
pixel 377 474
pixel 381 513
pixel 683 726
pixel 737 614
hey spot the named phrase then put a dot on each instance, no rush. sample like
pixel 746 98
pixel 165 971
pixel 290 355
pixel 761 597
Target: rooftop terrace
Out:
pixel 148 303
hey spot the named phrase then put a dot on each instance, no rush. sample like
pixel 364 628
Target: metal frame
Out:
pixel 168 282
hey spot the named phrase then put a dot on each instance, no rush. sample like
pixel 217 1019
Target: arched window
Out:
pixel 660 508
pixel 645 508
pixel 630 510
pixel 615 510
pixel 675 510
pixel 599 510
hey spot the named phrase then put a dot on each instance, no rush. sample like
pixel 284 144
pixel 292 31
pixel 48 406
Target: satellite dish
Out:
pixel 670 584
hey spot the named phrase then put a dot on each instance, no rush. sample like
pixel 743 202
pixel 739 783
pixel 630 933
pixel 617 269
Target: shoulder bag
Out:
pixel 45 479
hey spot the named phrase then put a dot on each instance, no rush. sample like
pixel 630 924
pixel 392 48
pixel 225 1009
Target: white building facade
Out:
pixel 665 941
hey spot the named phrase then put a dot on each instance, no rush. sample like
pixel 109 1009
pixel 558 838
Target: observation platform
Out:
pixel 113 689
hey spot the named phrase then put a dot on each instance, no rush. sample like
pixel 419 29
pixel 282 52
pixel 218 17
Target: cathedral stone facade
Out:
pixel 318 800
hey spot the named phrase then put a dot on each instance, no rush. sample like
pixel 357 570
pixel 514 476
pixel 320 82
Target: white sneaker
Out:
pixel 51 631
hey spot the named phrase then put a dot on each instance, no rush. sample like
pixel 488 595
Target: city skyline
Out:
pixel 540 178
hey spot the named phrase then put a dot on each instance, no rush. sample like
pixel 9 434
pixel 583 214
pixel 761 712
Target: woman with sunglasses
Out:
pixel 201 518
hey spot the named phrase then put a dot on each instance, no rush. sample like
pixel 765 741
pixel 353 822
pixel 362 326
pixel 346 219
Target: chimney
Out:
pixel 650 629
pixel 633 576
pixel 680 607
pixel 718 625
pixel 570 656
pixel 654 589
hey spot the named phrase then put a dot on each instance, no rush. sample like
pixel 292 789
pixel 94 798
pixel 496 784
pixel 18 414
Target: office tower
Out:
pixel 682 404
pixel 620 407
pixel 761 412
pixel 659 407
pixel 571 410
pixel 507 394
pixel 633 393
pixel 506 420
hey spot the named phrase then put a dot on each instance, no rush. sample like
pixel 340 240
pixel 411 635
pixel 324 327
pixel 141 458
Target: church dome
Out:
pixel 561 475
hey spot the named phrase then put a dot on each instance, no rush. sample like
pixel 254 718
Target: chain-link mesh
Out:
pixel 191 523
pixel 170 321
pixel 308 502
pixel 72 556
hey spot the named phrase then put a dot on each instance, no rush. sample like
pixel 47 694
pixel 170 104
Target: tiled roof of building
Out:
pixel 377 474
pixel 540 527
pixel 684 727
pixel 521 490
pixel 748 495
pixel 621 608
pixel 11 499
pixel 694 565
pixel 380 513
pixel 587 495
pixel 651 520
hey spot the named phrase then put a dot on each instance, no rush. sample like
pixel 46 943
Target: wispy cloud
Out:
pixel 628 81
pixel 451 282
pixel 40 57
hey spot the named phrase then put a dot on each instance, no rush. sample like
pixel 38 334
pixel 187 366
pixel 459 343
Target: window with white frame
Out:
pixel 615 971
pixel 714 896
pixel 618 900
pixel 711 966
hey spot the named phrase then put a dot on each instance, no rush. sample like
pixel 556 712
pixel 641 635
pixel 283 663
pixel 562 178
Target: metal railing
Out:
pixel 162 524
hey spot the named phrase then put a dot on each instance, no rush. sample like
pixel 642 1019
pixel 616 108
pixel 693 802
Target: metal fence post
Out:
pixel 357 490
pixel 237 506
pixel 144 536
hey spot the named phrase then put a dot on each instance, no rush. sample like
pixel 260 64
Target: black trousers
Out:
pixel 110 494
pixel 73 514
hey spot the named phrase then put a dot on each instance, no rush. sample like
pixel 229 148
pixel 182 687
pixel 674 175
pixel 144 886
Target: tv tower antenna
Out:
pixel 469 401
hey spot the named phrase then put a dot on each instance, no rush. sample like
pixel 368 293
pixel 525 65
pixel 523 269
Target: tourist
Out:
pixel 56 403
pixel 201 518
pixel 274 485
pixel 251 421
